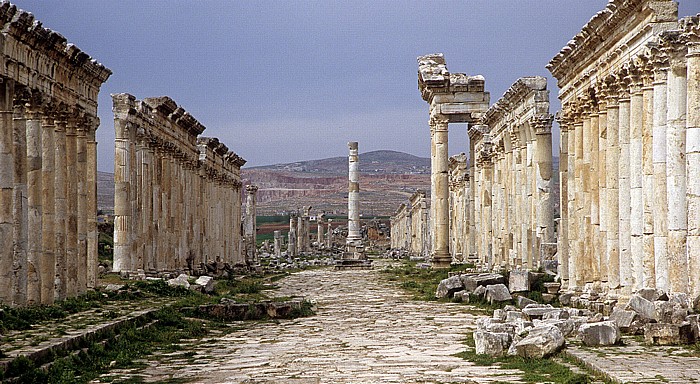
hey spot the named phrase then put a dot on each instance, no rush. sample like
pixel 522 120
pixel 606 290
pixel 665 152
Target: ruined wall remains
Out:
pixel 48 163
pixel 513 178
pixel 177 196
pixel 630 155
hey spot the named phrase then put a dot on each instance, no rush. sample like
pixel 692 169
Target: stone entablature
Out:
pixel 630 137
pixel 177 195
pixel 48 162
pixel 513 159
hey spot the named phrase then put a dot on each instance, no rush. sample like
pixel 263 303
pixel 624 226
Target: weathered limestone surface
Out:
pixel 410 226
pixel 354 249
pixel 48 118
pixel 250 227
pixel 177 196
pixel 453 98
pixel 630 93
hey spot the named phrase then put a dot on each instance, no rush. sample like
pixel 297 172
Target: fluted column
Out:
pixel 250 225
pixel 612 157
pixel 594 251
pixel 577 233
pixel 6 191
pixel 122 197
pixel 19 199
pixel 693 160
pixel 48 261
pixel 589 268
pixel 676 168
pixel 34 199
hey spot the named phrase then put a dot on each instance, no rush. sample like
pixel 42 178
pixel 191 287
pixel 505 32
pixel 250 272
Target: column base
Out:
pixel 441 260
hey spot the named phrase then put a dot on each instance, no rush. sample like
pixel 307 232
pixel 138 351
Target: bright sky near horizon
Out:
pixel 283 81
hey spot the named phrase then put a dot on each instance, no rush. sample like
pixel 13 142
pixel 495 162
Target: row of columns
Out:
pixel 459 208
pixel 48 223
pixel 631 185
pixel 410 226
pixel 177 197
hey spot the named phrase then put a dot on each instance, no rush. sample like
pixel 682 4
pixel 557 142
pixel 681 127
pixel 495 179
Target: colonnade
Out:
pixel 513 178
pixel 410 226
pixel 459 208
pixel 48 163
pixel 631 151
pixel 177 195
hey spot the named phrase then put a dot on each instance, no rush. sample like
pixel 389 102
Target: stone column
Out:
pixel 440 257
pixel 353 242
pixel 34 200
pixel 545 209
pixel 602 197
pixel 6 192
pixel 660 203
pixel 329 234
pixel 300 233
pixel 626 275
pixel 593 251
pixel 72 206
pixel 278 245
pixel 563 240
pixel 676 169
pixel 292 242
pixel 250 225
pixel 307 229
pixel 612 156
pixel 60 207
pixel 319 230
pixel 636 175
pixel 92 234
pixel 82 214
pixel 48 261
pixel 19 200
pixel 648 188
pixel 693 161
pixel 122 196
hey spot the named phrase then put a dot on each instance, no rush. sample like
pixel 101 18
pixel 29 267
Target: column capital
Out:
pixel 439 122
pixel 542 124
pixel 21 98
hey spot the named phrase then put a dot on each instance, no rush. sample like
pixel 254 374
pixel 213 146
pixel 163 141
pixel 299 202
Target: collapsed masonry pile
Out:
pixel 530 329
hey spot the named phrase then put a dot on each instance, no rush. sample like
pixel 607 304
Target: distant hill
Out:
pixel 377 162
pixel 105 191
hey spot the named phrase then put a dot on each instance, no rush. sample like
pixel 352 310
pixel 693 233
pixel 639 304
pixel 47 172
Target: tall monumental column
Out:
pixel 250 226
pixel 354 256
pixel 453 98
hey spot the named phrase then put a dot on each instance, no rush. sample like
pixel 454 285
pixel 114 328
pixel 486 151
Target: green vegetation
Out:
pixel 421 283
pixel 533 370
pixel 105 242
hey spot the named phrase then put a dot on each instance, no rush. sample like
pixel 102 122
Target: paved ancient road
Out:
pixel 365 331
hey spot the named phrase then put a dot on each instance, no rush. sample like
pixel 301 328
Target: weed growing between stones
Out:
pixel 421 283
pixel 533 370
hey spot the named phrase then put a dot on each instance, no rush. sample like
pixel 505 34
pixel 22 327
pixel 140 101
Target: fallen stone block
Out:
pixel 536 311
pixel 623 318
pixel 694 321
pixel 540 342
pixel 499 314
pixel 522 301
pixel 448 287
pixel 565 298
pixel 599 334
pixel 669 312
pixel 514 315
pixel 180 281
pixel 497 293
pixel 491 343
pixel 557 314
pixel 483 323
pixel 462 296
pixel 471 282
pixel 114 287
pixel 565 326
pixel 652 294
pixel 548 298
pixel 642 306
pixel 480 291
pixel 668 334
pixel 519 281
pixel 206 282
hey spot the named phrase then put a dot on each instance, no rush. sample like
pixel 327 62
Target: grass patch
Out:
pixel 421 283
pixel 533 370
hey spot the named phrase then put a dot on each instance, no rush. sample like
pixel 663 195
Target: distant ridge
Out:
pixel 378 162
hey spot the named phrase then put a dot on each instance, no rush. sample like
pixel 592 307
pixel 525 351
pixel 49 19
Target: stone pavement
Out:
pixel 365 331
pixel 640 364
